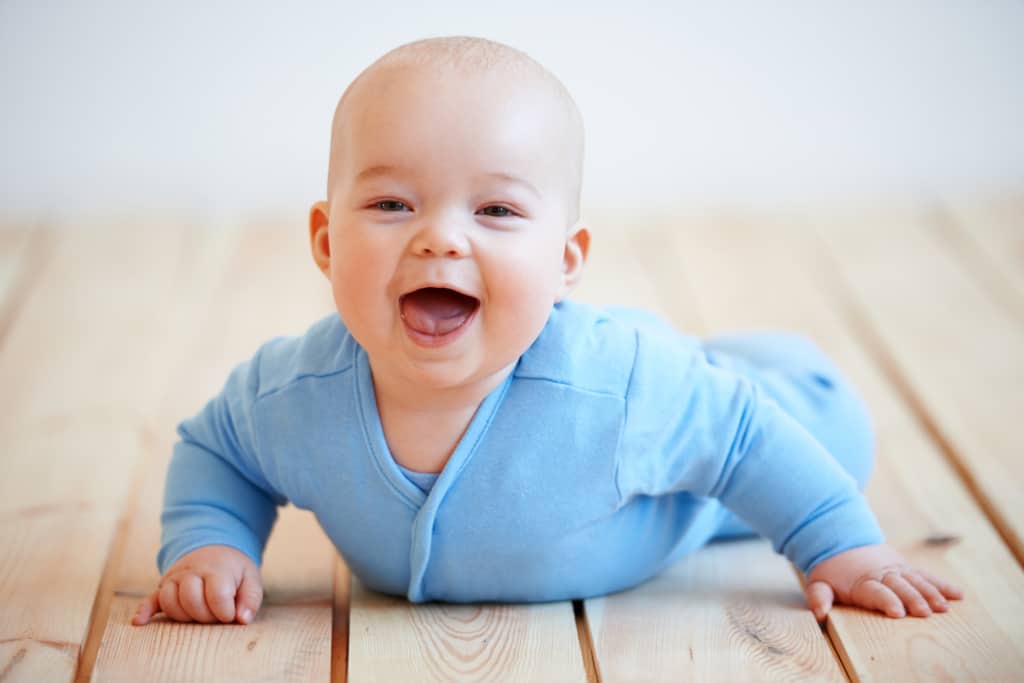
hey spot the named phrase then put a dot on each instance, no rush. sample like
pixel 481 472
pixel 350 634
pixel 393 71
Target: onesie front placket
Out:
pixel 426 504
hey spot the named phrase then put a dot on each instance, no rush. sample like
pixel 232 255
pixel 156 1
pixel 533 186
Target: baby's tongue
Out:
pixel 436 311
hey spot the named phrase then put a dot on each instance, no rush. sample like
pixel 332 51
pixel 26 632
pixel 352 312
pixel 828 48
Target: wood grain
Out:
pixel 394 640
pixel 950 344
pixel 731 612
pixel 83 361
pixel 126 327
pixel 268 287
pixel 283 644
pixel 723 613
pixel 763 273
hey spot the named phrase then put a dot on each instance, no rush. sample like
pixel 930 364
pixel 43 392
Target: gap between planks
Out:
pixel 736 622
pixel 980 618
pixel 873 343
pixel 100 614
pixel 72 311
pixel 579 610
pixel 234 322
pixel 835 643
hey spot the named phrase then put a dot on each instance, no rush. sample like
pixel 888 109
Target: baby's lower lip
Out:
pixel 433 341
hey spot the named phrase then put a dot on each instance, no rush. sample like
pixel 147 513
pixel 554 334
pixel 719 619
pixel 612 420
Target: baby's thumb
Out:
pixel 149 606
pixel 249 596
pixel 819 598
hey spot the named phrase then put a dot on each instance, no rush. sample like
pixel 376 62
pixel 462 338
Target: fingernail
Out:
pixel 245 614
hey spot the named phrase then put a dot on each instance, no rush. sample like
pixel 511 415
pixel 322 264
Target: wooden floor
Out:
pixel 112 331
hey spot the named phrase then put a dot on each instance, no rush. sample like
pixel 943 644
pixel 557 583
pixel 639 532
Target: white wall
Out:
pixel 213 106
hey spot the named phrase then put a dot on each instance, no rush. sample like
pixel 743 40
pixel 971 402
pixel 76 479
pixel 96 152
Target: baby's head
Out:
pixel 451 224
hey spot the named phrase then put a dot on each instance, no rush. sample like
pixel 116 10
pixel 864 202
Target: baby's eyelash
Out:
pixel 508 211
pixel 397 205
pixel 377 205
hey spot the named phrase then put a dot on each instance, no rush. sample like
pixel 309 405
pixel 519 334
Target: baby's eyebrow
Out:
pixel 388 169
pixel 374 171
pixel 514 179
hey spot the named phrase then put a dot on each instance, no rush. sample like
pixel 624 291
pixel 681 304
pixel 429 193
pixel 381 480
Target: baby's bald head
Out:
pixel 473 60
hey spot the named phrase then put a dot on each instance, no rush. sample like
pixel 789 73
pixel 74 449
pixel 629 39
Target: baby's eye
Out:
pixel 390 205
pixel 502 211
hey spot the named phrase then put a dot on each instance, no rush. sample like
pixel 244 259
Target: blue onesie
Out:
pixel 616 446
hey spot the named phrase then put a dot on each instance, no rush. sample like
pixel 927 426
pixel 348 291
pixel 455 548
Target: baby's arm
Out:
pixel 877 577
pixel 789 488
pixel 210 584
pixel 720 436
pixel 218 511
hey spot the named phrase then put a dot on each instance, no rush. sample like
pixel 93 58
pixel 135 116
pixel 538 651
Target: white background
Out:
pixel 217 106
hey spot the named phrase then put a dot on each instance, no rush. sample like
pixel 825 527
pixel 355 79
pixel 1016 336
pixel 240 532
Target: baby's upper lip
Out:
pixel 439 284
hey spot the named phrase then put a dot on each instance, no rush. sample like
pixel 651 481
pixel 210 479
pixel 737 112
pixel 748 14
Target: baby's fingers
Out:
pixel 908 595
pixel 945 587
pixel 819 598
pixel 169 601
pixel 220 596
pixel 935 599
pixel 149 606
pixel 250 595
pixel 873 595
pixel 193 599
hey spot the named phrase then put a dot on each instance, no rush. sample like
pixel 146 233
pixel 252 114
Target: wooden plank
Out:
pixel 988 236
pixel 956 351
pixel 729 611
pixel 271 287
pixel 284 644
pixel 613 277
pixel 84 359
pixel 765 273
pixel 394 640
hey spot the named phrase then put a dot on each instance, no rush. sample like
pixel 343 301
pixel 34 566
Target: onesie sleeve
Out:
pixel 696 428
pixel 216 490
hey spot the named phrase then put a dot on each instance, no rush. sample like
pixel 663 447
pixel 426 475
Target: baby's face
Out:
pixel 448 222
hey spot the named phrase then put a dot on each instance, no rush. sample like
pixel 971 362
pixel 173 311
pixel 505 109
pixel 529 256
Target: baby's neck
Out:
pixel 423 425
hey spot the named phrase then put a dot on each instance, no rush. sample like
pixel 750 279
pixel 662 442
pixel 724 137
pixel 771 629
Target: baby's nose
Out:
pixel 438 240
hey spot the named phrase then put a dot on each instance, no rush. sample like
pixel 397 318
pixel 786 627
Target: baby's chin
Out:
pixel 453 374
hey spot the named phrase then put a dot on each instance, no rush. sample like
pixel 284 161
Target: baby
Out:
pixel 463 432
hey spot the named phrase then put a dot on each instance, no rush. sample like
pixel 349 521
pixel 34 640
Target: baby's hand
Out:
pixel 877 577
pixel 210 584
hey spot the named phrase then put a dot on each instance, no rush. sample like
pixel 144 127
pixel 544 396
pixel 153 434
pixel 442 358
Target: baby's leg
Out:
pixel 805 383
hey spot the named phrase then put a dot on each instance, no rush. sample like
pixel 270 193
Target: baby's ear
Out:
pixel 573 259
pixel 319 240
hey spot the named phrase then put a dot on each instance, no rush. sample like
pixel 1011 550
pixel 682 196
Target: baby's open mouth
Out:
pixel 436 310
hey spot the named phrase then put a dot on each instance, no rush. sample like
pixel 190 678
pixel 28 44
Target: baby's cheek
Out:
pixel 359 300
pixel 519 310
